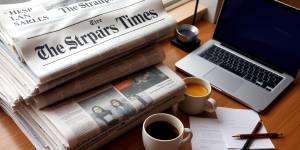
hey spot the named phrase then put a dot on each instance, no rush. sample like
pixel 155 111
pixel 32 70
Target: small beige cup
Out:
pixel 193 105
pixel 151 143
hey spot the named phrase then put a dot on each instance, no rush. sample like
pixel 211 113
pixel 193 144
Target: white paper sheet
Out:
pixel 206 134
pixel 240 121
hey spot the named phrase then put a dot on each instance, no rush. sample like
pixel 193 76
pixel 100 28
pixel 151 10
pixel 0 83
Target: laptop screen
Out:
pixel 267 30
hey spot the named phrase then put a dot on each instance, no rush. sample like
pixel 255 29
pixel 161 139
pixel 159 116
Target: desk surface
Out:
pixel 283 115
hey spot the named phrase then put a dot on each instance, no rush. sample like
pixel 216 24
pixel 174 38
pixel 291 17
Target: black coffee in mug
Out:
pixel 162 130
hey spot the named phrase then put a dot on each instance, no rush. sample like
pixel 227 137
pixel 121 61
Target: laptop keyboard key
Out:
pixel 242 68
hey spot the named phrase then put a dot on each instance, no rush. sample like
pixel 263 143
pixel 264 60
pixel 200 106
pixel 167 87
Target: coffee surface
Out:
pixel 162 130
pixel 195 89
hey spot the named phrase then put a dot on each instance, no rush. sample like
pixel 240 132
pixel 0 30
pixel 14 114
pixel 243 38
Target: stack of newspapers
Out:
pixel 74 74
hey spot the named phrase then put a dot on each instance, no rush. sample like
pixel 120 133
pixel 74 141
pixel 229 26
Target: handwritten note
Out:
pixel 216 134
pixel 239 121
pixel 206 134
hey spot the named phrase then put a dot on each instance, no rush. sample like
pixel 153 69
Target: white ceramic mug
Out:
pixel 151 143
pixel 197 104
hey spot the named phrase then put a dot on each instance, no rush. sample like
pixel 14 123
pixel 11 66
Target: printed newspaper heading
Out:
pixel 46 51
pixel 74 34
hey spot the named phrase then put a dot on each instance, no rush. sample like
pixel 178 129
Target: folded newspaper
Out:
pixel 72 72
pixel 49 42
pixel 94 118
pixel 97 76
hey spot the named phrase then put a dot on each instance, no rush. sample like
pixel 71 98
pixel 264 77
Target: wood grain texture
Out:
pixel 295 3
pixel 282 116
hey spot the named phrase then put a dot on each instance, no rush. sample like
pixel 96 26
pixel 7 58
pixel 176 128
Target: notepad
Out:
pixel 206 134
pixel 229 122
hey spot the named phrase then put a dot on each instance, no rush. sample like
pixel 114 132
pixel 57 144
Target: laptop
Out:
pixel 254 53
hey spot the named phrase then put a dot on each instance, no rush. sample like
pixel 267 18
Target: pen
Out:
pixel 255 130
pixel 258 135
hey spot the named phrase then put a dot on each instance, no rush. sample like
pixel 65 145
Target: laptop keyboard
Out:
pixel 242 67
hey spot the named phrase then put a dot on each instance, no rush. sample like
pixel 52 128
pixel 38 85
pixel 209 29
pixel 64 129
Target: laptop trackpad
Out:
pixel 224 80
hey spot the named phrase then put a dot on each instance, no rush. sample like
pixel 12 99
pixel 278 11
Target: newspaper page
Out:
pixel 13 71
pixel 147 57
pixel 34 130
pixel 102 110
pixel 91 33
pixel 108 61
pixel 44 135
pixel 21 14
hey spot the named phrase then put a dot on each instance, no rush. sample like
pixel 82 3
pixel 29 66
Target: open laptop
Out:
pixel 254 54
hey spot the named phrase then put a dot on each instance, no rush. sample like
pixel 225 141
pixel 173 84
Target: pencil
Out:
pixel 258 135
pixel 255 130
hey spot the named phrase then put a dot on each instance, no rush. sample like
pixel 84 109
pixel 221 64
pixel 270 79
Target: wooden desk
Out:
pixel 282 116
